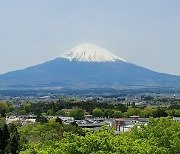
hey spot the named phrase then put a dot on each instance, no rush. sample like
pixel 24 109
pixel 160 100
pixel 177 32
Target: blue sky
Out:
pixel 144 32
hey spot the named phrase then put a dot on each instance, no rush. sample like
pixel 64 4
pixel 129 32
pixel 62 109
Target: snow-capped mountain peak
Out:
pixel 89 52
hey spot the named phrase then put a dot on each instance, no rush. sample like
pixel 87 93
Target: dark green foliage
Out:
pixel 9 139
pixel 59 121
pixel 74 123
pixel 13 145
pixel 41 119
pixel 75 129
pixel 6 136
pixel 60 112
pixel 108 107
pixel 97 112
pixel 3 113
pixel 109 113
pixel 1 141
pixel 55 108
pixel 160 112
pixel 78 114
pixel 117 114
pixel 3 109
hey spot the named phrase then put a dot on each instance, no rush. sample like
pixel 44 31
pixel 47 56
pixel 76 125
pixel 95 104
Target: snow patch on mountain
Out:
pixel 90 53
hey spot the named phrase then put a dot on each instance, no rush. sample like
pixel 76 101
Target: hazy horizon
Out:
pixel 146 33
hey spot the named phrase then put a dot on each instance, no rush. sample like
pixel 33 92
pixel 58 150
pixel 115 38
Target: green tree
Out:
pixel 13 143
pixel 147 112
pixel 3 106
pixel 74 128
pixel 1 141
pixel 10 109
pixel 60 112
pixel 97 112
pixel 132 111
pixel 177 113
pixel 117 114
pixel 22 112
pixel 50 112
pixel 41 119
pixel 27 107
pixel 59 121
pixel 78 114
pixel 3 109
pixel 108 113
pixel 6 136
pixel 159 112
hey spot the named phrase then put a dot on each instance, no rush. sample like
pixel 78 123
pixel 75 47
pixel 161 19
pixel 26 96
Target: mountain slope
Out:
pixel 81 68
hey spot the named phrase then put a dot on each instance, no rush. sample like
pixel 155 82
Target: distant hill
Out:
pixel 87 66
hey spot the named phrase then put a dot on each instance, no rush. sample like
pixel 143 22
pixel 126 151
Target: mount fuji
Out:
pixel 87 66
